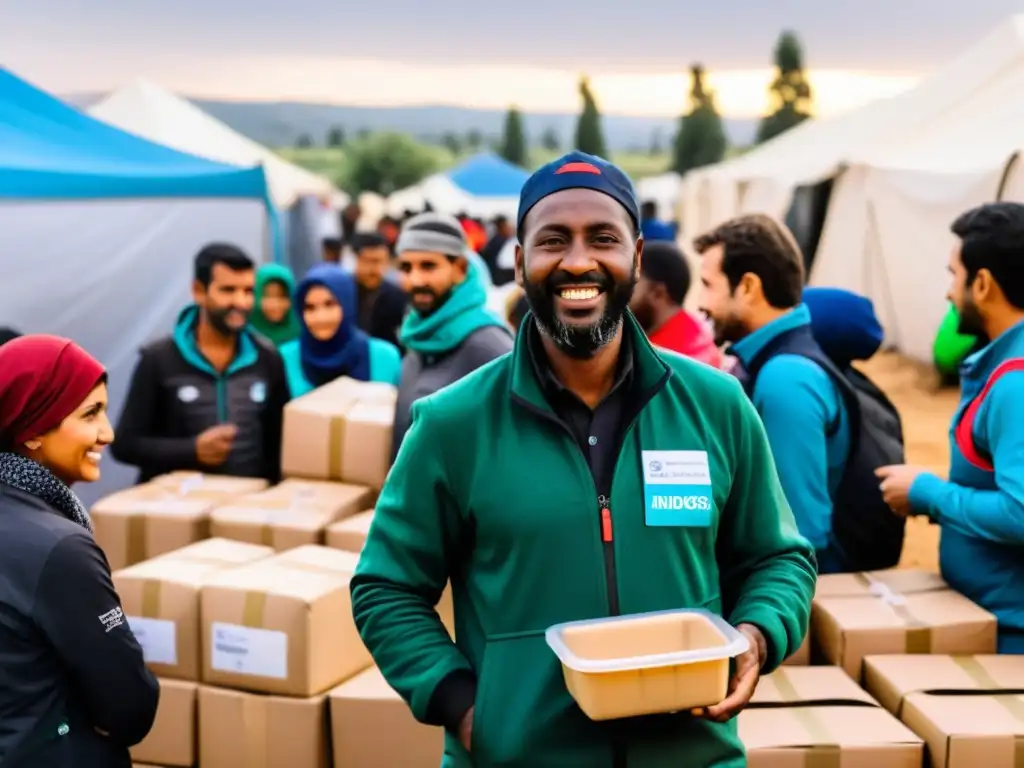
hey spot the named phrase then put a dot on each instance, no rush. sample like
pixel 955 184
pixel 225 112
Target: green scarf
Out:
pixel 286 330
pixel 464 312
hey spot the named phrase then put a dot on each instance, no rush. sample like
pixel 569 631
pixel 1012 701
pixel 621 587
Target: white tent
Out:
pixel 100 228
pixel 148 110
pixel 765 178
pixel 887 231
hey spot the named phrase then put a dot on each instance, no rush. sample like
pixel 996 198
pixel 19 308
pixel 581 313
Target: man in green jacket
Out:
pixel 526 485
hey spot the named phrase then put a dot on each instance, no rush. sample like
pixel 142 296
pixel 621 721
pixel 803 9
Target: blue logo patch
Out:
pixel 258 392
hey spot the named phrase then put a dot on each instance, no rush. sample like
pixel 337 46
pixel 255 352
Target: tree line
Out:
pixel 386 162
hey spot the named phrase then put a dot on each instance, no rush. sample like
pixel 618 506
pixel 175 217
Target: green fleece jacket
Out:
pixel 490 491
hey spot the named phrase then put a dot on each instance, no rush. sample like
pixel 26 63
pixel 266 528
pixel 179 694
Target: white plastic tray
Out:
pixel 736 644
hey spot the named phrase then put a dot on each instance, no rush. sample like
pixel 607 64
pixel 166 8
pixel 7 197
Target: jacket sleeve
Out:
pixel 767 569
pixel 80 614
pixel 137 442
pixel 402 572
pixel 278 396
pixel 792 390
pixel 996 516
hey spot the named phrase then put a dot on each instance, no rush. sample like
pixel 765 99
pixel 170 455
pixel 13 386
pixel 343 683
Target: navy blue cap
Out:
pixel 578 170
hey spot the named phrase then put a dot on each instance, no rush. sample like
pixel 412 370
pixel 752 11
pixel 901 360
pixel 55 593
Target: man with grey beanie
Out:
pixel 448 331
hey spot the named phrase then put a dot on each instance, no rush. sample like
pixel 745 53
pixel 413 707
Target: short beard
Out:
pixel 581 342
pixel 971 322
pixel 218 321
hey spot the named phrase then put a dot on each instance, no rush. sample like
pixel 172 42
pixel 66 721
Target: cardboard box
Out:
pixel 857 615
pixel 288 517
pixel 160 599
pixel 805 717
pixel 802 656
pixel 246 730
pixel 341 431
pixel 145 521
pixel 969 709
pixel 351 532
pixel 202 484
pixel 365 708
pixel 172 740
pixel 282 625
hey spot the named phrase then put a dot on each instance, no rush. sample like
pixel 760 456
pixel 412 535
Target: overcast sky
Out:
pixel 70 45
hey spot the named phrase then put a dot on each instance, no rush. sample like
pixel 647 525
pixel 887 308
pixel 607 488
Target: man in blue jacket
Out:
pixel 752 275
pixel 981 506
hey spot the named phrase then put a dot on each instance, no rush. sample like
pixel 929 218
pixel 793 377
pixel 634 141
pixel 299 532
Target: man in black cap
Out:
pixel 582 477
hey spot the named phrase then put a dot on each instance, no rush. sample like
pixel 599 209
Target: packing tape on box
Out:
pixel 252 610
pixel 825 752
pixel 150 599
pixel 335 446
pixel 918 633
pixel 254 731
pixel 1011 702
pixel 136 544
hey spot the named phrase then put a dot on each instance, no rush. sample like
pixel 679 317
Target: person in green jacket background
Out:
pixel 527 484
pixel 330 344
pixel 273 315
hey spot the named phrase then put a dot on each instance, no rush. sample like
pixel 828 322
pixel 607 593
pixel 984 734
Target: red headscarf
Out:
pixel 43 379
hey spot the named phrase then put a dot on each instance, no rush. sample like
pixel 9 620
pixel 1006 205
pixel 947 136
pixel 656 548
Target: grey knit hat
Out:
pixel 433 233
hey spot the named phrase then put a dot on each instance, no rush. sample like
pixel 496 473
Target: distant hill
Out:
pixel 278 124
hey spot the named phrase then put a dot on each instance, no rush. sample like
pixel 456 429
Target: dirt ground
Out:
pixel 926 410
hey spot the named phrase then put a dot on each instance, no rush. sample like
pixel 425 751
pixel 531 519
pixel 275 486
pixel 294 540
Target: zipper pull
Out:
pixel 606 518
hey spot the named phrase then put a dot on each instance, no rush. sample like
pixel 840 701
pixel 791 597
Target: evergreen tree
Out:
pixel 305 141
pixel 513 143
pixel 790 92
pixel 701 138
pixel 336 137
pixel 550 140
pixel 474 140
pixel 589 136
pixel 452 142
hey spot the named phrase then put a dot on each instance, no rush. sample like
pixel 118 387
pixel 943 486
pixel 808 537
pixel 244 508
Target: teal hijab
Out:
pixel 463 313
pixel 289 328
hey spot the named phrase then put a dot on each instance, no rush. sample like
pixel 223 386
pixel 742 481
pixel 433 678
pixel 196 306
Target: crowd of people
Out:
pixel 530 453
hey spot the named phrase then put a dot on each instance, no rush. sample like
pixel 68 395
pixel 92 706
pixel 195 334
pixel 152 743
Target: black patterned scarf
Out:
pixel 33 478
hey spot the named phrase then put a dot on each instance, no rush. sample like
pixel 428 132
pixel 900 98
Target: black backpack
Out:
pixel 866 533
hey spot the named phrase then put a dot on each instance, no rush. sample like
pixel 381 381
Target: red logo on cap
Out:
pixel 578 168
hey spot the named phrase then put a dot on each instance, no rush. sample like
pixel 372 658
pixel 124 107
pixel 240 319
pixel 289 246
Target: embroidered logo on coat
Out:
pixel 112 619
pixel 188 394
pixel 258 392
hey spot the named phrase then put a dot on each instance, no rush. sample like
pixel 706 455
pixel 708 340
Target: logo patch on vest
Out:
pixel 258 392
pixel 188 394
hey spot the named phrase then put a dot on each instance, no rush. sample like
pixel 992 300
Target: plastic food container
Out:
pixel 646 663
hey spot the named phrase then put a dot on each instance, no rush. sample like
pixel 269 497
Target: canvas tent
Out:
pixel 484 186
pixel 766 178
pixel 887 231
pixel 100 227
pixel 154 113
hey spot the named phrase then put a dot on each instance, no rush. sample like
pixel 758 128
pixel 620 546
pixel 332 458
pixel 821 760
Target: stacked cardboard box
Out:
pixel 366 707
pixel 163 515
pixel 278 635
pixel 341 431
pixel 895 611
pixel 969 709
pixel 161 600
pixel 818 716
pixel 289 515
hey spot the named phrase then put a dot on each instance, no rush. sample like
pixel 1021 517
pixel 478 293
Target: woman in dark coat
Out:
pixel 74 690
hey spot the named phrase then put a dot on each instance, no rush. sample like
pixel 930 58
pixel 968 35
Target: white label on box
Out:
pixel 247 651
pixel 158 638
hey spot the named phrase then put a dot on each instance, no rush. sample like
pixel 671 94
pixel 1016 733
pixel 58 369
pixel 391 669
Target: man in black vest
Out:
pixel 752 276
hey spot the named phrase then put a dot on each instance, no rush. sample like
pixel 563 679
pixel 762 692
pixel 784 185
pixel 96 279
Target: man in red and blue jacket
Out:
pixel 981 506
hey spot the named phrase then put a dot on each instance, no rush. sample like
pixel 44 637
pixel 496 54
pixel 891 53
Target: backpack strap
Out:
pixel 963 435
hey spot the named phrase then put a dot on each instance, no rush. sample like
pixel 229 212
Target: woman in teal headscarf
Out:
pixel 273 315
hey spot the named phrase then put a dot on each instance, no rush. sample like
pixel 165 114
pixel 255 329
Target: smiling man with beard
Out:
pixel 448 332
pixel 981 506
pixel 585 475
pixel 211 396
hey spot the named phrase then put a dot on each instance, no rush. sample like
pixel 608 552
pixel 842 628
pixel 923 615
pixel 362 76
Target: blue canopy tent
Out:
pixel 487 175
pixel 100 228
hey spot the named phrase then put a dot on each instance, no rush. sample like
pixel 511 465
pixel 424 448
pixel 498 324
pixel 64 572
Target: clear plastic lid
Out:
pixel 735 644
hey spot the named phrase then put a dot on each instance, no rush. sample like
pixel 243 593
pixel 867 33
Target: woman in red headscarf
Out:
pixel 74 689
